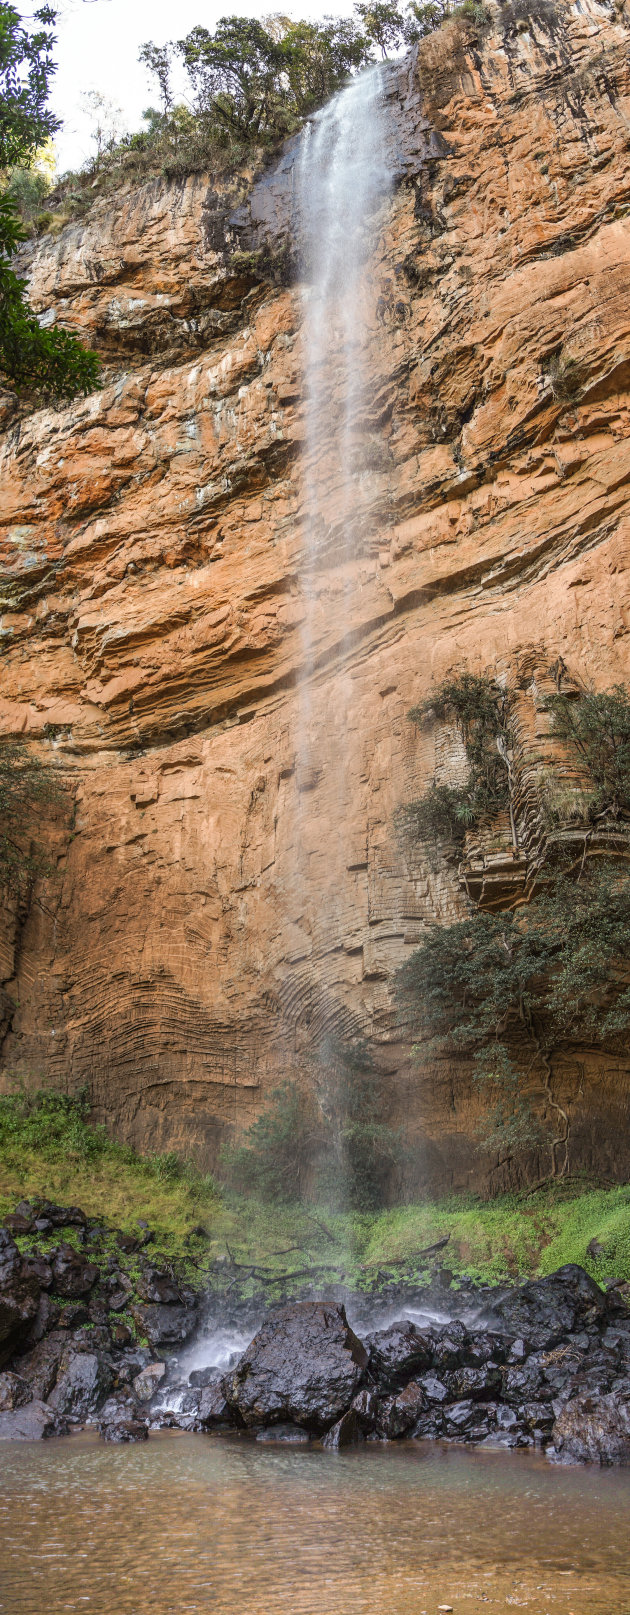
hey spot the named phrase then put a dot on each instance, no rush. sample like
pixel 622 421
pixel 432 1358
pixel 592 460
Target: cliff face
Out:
pixel 217 910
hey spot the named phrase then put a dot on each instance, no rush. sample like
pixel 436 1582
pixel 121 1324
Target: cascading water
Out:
pixel 343 178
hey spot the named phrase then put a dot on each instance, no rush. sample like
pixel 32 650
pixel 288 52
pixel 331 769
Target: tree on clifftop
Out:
pixel 52 363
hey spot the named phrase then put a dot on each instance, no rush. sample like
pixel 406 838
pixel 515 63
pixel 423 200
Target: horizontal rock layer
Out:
pixel 218 910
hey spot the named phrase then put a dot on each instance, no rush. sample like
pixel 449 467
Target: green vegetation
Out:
pixel 513 990
pixel 329 1141
pixel 50 363
pixel 28 789
pixel 49 1148
pixel 250 83
pixel 481 709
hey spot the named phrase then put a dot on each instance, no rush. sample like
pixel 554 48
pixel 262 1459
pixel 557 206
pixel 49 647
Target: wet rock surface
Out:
pixel 303 1367
pixel 543 1364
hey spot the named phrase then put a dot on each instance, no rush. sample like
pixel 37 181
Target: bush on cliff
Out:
pixel 516 989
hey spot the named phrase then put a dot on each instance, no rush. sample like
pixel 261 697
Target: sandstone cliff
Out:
pixel 217 910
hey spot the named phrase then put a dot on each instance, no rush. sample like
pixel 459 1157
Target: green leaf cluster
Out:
pixel 49 362
pixel 481 709
pixel 595 728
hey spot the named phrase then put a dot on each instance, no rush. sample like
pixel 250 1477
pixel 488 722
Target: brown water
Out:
pixel 228 1527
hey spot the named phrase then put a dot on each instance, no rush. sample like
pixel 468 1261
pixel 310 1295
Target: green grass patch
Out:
pixel 49 1148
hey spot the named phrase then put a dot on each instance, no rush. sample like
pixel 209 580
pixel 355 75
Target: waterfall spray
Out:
pixel 343 178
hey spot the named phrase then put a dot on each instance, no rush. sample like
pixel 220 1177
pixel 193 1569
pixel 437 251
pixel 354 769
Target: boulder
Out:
pixel 30 1423
pixel 19 1297
pixel 124 1430
pixel 213 1410
pixel 83 1381
pixel 545 1311
pixel 148 1381
pixel 39 1366
pixel 14 1392
pixel 60 1216
pixel 474 1384
pixel 304 1366
pixel 593 1429
pixel 397 1353
pixel 120 1419
pixel 347 1432
pixel 397 1415
pixel 73 1275
pixel 165 1325
pixel 158 1287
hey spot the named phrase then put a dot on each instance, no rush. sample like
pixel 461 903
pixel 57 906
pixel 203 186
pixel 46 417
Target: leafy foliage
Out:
pixel 511 989
pixel 481 709
pixel 334 1146
pixel 275 1156
pixel 27 788
pixel 596 731
pixel 53 362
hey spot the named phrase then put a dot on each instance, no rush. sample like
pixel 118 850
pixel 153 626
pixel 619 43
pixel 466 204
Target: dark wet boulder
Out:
pixel 19 1224
pixel 435 1390
pixel 61 1216
pixel 213 1410
pixel 483 1348
pixel 468 1420
pixel 593 1429
pixel 525 1383
pixel 39 1268
pixel 474 1384
pixel 124 1430
pixel 398 1353
pixel 120 1419
pixel 121 1335
pixel 451 1345
pixel 15 1392
pixel 165 1326
pixel 73 1275
pixel 83 1381
pixel 29 1423
pixel 545 1311
pixel 19 1297
pixel 40 1365
pixel 347 1432
pixel 201 1377
pixel 117 1290
pixel 430 1426
pixel 398 1415
pixel 161 1288
pixel 303 1367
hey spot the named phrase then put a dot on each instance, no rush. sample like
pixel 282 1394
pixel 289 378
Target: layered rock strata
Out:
pixel 218 912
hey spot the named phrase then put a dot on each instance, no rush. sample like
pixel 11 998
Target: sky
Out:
pixel 97 49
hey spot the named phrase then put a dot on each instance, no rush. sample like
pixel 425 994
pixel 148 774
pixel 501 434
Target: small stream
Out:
pixel 228 1527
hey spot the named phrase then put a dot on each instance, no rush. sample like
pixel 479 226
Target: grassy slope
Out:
pixel 49 1149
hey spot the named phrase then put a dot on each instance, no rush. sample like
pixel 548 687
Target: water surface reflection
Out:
pixel 196 1523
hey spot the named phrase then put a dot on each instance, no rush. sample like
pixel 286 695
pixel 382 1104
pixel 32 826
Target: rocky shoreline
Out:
pixel 545 1364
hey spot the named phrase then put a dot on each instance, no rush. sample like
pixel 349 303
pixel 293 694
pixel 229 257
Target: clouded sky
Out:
pixel 97 49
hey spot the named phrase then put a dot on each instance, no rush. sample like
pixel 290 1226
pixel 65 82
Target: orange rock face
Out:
pixel 220 911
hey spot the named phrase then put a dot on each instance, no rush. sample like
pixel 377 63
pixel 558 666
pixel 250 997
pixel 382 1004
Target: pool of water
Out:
pixel 228 1527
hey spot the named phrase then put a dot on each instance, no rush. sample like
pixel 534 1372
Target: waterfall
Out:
pixel 343 178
